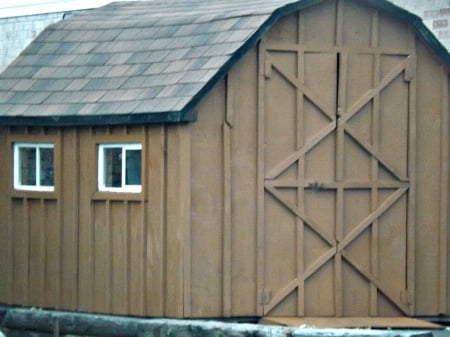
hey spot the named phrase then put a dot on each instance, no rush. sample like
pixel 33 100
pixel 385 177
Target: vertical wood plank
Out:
pixel 243 191
pixel 6 263
pixel 70 204
pixel 38 233
pixel 53 222
pixel 178 221
pixel 339 23
pixel 21 253
pixel 340 174
pixel 153 223
pixel 412 150
pixel 260 228
pixel 300 169
pixel 86 251
pixel 444 161
pixel 226 231
pixel 373 300
pixel 52 228
pixel 102 251
pixel 119 253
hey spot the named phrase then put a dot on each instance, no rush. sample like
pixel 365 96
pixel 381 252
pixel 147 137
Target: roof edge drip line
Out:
pixel 184 116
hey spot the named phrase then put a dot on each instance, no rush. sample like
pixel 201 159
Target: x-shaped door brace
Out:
pixel 335 246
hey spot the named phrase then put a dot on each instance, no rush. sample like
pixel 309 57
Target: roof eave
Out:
pixel 183 116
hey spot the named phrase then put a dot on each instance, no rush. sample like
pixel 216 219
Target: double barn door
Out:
pixel 337 132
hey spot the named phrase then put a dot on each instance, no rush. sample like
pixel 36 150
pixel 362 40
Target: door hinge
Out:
pixel 265 297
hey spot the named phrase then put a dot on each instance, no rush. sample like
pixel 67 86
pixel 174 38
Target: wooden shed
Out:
pixel 223 158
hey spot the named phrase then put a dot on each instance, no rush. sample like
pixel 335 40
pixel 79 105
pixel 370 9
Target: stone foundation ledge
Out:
pixel 18 322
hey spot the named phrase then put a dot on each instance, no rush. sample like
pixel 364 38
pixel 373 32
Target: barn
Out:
pixel 198 159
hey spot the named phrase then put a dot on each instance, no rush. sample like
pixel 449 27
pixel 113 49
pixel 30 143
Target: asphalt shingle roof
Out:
pixel 134 62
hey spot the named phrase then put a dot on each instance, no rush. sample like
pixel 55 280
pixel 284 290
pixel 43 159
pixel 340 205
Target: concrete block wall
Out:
pixel 17 32
pixel 435 15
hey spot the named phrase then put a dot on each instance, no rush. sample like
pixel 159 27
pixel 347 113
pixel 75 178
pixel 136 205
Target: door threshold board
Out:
pixel 351 322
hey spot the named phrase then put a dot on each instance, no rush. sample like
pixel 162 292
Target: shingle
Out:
pixel 193 76
pixel 200 40
pixel 57 97
pixel 151 92
pixel 222 49
pixel 24 85
pixel 17 109
pixel 28 97
pixel 74 97
pixel 148 57
pixel 54 35
pixel 50 85
pixel 215 62
pixel 170 91
pixel 182 101
pixel 58 48
pixel 165 79
pixel 176 54
pixel 189 89
pixel 94 96
pixel 177 66
pixel 33 48
pixel 84 48
pixel 77 84
pixel 98 72
pixel 104 83
pixel 109 34
pixel 119 58
pixel 165 31
pixel 184 30
pixel 135 82
pixel 126 107
pixel 156 68
pixel 196 51
pixel 20 72
pixel 248 22
pixel 113 95
pixel 7 84
pixel 138 33
pixel 5 96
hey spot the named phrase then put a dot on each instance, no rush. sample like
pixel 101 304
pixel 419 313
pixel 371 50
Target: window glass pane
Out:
pixel 27 171
pixel 46 165
pixel 113 167
pixel 133 167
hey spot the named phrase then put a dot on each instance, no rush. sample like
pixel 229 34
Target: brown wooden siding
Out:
pixel 211 235
pixel 79 249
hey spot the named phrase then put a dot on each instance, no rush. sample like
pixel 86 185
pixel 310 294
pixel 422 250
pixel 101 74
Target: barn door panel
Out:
pixel 336 185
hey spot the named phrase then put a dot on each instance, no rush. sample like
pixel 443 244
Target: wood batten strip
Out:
pixel 373 299
pixel 300 225
pixel 9 235
pixel 226 209
pixel 320 48
pixel 260 228
pixel 341 106
pixel 412 165
pixel 444 212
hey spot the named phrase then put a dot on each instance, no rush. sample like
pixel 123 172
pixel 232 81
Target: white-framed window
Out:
pixel 119 168
pixel 34 167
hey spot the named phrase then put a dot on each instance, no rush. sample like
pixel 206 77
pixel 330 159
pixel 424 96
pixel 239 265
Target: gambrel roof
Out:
pixel 142 62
